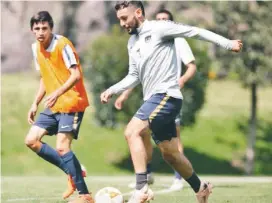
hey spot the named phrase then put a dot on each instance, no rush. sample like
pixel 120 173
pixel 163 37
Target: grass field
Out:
pixel 226 189
pixel 216 144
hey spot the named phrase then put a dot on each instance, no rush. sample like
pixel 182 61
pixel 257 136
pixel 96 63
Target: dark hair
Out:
pixel 124 4
pixel 167 12
pixel 42 16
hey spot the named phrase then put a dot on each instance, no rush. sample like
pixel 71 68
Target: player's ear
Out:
pixel 138 12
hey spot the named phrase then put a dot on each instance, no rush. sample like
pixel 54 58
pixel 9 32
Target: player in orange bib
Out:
pixel 65 102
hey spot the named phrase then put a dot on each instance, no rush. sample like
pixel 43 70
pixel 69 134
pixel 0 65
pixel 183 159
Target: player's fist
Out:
pixel 105 96
pixel 237 45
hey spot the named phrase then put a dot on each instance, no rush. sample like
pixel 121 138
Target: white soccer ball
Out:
pixel 109 195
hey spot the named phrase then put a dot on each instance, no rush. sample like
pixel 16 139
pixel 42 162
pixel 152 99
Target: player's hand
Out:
pixel 181 83
pixel 237 45
pixel 105 96
pixel 51 99
pixel 119 102
pixel 32 113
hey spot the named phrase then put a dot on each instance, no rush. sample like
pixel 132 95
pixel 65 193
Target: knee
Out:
pixel 33 138
pixel 32 142
pixel 130 134
pixel 62 150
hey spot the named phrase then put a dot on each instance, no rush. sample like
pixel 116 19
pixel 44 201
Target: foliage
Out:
pixel 250 22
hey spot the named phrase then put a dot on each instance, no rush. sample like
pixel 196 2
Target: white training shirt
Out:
pixel 153 59
pixel 184 53
pixel 67 53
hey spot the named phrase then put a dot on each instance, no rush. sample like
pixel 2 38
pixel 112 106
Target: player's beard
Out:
pixel 133 30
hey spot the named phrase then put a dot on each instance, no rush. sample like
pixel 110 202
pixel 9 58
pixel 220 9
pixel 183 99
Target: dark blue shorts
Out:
pixel 161 111
pixel 55 123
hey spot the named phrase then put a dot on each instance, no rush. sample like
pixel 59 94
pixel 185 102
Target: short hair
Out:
pixel 124 4
pixel 42 16
pixel 170 15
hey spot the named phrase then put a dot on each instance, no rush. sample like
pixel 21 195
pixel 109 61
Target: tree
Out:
pixel 249 21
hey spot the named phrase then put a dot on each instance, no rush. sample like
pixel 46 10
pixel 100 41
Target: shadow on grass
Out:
pixel 202 163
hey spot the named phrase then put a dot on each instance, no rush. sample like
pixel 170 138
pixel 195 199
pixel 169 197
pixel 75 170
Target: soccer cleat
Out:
pixel 204 191
pixel 87 198
pixel 71 185
pixel 142 196
pixel 177 185
pixel 150 181
pixel 70 189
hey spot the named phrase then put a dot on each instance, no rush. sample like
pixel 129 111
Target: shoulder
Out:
pixel 160 23
pixel 63 40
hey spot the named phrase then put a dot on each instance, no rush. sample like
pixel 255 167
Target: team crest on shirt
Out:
pixel 147 38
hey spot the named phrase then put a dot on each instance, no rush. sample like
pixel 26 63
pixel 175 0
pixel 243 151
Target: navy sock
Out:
pixel 51 155
pixel 148 168
pixel 75 171
pixel 194 182
pixel 141 180
pixel 178 176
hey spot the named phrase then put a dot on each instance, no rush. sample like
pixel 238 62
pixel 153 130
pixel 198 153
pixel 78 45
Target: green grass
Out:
pixel 216 143
pixel 49 190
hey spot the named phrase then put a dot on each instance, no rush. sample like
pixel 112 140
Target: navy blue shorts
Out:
pixel 55 123
pixel 161 111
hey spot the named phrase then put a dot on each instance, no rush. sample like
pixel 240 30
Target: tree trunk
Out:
pixel 250 153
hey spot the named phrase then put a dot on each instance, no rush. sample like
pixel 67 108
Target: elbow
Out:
pixel 77 77
pixel 192 66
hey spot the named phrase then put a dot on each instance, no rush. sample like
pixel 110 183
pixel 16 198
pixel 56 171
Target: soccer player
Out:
pixel 65 102
pixel 153 63
pixel 185 55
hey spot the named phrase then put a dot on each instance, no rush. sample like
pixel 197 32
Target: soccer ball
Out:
pixel 109 195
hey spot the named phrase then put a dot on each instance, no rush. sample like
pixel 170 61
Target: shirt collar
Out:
pixel 140 29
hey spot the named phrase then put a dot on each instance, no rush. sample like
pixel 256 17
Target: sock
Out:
pixel 51 155
pixel 75 171
pixel 141 180
pixel 148 168
pixel 178 176
pixel 194 182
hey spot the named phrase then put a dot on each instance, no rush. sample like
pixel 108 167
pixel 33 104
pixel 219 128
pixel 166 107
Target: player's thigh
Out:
pixel 141 120
pixel 46 124
pixel 162 120
pixel 64 141
pixel 69 123
pixel 34 134
pixel 47 120
pixel 146 136
pixel 136 126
